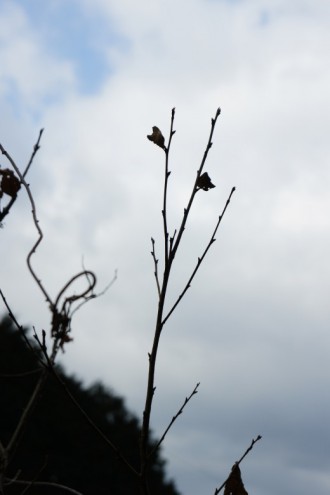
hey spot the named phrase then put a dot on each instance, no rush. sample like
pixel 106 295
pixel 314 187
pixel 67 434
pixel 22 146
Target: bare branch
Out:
pixel 195 189
pixel 36 223
pixel 167 174
pixel 153 254
pixel 187 399
pixel 27 411
pixel 199 261
pixel 259 437
pixel 20 375
pixel 169 256
pixel 20 328
pixel 88 418
pixel 36 147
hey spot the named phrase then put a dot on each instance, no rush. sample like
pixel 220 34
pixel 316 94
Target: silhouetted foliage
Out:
pixel 57 445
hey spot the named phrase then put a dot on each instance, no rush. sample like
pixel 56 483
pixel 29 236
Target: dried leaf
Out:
pixel 234 484
pixel 9 183
pixel 157 137
pixel 204 182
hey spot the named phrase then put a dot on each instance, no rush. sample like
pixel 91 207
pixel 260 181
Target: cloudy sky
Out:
pixel 254 327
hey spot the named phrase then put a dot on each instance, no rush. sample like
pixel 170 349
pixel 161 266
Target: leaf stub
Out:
pixel 157 137
pixel 9 183
pixel 204 182
pixel 234 484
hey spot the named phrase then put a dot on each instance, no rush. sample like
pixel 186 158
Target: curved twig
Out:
pixel 36 223
pixel 99 294
pixel 85 273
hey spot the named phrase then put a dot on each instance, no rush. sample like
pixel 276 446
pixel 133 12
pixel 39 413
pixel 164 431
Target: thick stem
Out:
pixel 151 380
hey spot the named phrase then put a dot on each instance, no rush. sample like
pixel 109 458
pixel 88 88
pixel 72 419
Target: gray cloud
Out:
pixel 253 328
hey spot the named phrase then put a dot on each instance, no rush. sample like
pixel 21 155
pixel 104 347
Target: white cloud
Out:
pixel 29 77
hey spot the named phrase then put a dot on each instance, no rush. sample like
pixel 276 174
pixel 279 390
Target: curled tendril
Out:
pixel 61 320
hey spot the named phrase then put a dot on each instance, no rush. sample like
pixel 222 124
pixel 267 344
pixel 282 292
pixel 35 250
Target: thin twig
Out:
pixel 92 424
pixel 259 437
pixel 36 223
pixel 48 484
pixel 3 464
pixel 36 476
pixel 82 411
pixel 20 375
pixel 36 147
pixel 187 399
pixel 194 191
pixel 200 260
pixel 27 411
pixel 99 294
pixel 90 287
pixel 153 254
pixel 167 174
pixel 20 328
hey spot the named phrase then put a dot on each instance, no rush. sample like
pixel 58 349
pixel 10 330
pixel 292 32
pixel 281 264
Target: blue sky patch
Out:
pixel 71 34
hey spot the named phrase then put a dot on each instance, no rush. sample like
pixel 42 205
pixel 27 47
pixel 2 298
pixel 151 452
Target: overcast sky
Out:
pixel 254 327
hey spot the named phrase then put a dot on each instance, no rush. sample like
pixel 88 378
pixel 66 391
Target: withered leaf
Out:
pixel 235 485
pixel 204 182
pixel 9 183
pixel 157 137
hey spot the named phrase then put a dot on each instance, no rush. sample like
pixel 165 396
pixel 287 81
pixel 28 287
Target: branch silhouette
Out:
pixel 254 441
pixel 171 248
pixel 5 211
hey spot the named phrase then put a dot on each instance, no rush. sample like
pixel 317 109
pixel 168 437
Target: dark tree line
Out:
pixel 57 445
